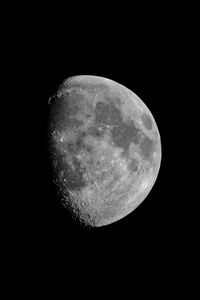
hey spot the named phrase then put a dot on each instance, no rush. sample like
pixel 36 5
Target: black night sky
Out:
pixel 33 67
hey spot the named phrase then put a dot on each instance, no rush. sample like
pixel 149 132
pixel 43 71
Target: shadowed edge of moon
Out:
pixel 134 102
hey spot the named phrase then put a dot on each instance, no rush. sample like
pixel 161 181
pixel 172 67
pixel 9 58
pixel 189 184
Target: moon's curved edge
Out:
pixel 124 92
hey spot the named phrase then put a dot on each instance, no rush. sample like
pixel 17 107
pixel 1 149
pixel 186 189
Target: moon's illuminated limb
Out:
pixel 132 107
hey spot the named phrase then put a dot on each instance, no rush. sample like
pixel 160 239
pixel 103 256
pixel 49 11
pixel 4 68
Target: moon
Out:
pixel 105 149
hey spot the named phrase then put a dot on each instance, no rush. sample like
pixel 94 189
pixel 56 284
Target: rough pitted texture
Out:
pixel 99 153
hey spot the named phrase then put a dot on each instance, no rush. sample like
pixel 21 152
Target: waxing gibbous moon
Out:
pixel 105 149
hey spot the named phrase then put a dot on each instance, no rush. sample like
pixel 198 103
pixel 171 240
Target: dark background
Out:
pixel 34 63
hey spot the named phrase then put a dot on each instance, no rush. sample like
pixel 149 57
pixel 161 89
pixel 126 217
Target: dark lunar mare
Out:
pixel 123 133
pixel 147 121
pixel 107 113
pixel 126 133
pixel 147 147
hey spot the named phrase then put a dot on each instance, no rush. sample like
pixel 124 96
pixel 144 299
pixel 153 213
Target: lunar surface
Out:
pixel 105 149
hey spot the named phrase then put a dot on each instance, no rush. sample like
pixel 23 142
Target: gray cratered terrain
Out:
pixel 105 147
